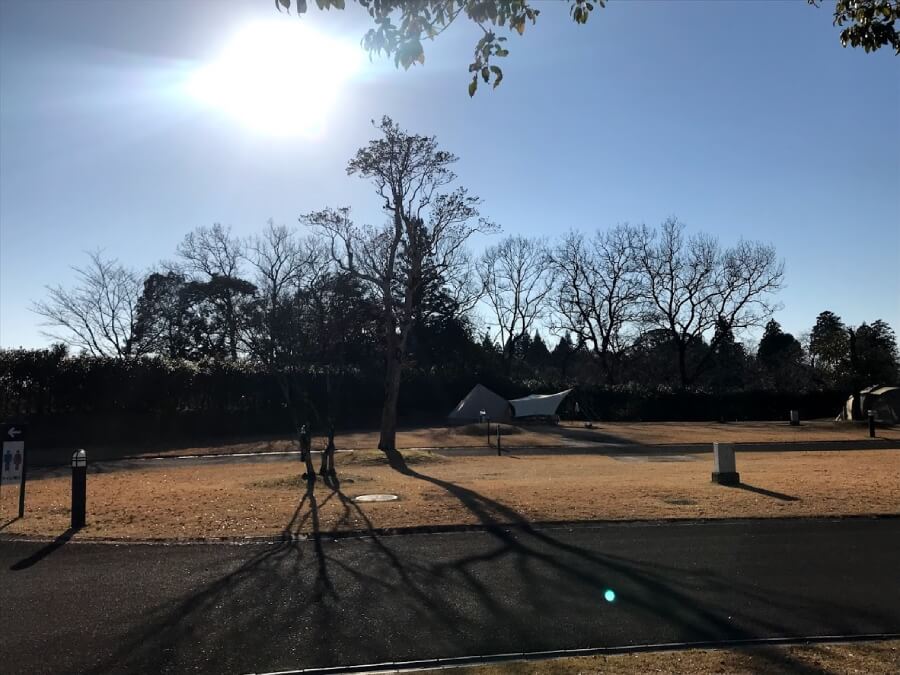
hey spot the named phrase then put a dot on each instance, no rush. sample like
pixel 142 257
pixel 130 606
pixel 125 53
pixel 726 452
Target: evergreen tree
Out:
pixel 537 356
pixel 874 354
pixel 829 344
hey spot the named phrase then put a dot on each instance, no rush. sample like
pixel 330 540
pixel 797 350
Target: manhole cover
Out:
pixel 376 498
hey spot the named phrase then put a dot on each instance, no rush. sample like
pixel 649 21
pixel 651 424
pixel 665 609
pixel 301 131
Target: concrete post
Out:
pixel 724 469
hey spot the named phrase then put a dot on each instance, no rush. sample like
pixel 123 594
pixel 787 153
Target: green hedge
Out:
pixel 87 400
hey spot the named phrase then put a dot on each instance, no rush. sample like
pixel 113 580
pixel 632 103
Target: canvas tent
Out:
pixel 538 405
pixel 885 401
pixel 481 398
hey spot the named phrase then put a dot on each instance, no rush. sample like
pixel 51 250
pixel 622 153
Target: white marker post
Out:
pixel 725 469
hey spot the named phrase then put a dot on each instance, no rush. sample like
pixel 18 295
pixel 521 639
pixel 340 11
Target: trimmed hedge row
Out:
pixel 88 400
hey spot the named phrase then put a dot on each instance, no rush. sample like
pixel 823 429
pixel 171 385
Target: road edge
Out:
pixel 420 530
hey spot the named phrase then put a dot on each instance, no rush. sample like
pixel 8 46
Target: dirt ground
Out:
pixel 565 434
pixel 268 498
pixel 823 659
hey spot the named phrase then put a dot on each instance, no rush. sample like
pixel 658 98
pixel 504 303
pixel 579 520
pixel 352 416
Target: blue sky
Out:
pixel 741 118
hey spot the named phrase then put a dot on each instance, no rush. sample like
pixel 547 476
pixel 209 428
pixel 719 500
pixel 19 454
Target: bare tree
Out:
pixel 597 290
pixel 212 254
pixel 422 243
pixel 516 280
pixel 99 313
pixel 283 264
pixel 691 288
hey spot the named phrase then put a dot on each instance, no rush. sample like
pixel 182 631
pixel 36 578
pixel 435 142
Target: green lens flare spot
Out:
pixel 609 595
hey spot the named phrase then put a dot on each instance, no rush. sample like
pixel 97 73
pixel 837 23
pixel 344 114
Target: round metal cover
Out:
pixel 376 498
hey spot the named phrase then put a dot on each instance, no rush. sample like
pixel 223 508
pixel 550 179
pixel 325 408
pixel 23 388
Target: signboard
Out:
pixel 12 454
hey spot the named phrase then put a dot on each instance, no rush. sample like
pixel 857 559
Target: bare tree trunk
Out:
pixel 608 371
pixel 388 439
pixel 682 365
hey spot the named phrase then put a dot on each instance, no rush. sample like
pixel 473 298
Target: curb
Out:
pixel 456 662
pixel 504 528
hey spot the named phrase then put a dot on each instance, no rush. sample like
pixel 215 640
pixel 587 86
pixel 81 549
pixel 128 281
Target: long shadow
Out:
pixel 767 493
pixel 42 553
pixel 8 523
pixel 679 606
pixel 279 584
pixel 593 435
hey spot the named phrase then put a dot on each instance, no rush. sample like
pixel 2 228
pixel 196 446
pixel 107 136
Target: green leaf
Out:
pixel 485 74
pixel 498 75
pixel 473 85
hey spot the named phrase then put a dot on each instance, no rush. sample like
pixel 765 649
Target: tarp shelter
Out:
pixel 885 401
pixel 481 398
pixel 538 405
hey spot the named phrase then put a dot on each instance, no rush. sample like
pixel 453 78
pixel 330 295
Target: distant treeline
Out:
pixel 82 400
pixel 261 333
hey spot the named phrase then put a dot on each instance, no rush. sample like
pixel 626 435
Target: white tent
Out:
pixel 542 405
pixel 481 398
pixel 884 401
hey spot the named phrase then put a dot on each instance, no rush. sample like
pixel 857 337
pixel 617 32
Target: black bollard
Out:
pixel 79 488
pixel 871 424
pixel 498 439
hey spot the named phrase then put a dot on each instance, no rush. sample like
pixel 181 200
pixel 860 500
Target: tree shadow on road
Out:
pixel 667 590
pixel 304 591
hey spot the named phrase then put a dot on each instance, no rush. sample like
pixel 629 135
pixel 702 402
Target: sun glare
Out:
pixel 278 77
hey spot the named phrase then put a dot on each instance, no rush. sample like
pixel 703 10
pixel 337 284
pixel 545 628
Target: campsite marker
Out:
pixel 724 469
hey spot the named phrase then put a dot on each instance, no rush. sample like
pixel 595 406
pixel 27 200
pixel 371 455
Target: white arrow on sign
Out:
pixel 13 432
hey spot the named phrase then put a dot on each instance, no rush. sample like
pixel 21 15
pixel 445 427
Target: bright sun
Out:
pixel 278 77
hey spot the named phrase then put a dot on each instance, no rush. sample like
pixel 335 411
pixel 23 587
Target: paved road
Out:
pixel 231 609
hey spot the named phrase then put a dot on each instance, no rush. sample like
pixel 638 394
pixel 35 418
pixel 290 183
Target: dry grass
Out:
pixel 266 498
pixel 824 659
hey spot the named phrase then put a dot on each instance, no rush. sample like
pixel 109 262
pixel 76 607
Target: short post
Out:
pixel 22 485
pixel 498 439
pixel 484 418
pixel 724 469
pixel 795 418
pixel 79 488
pixel 871 423
pixel 306 453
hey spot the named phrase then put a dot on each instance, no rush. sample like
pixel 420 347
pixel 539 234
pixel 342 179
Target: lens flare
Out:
pixel 609 595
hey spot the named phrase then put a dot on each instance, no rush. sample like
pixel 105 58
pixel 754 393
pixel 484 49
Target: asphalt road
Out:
pixel 267 607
